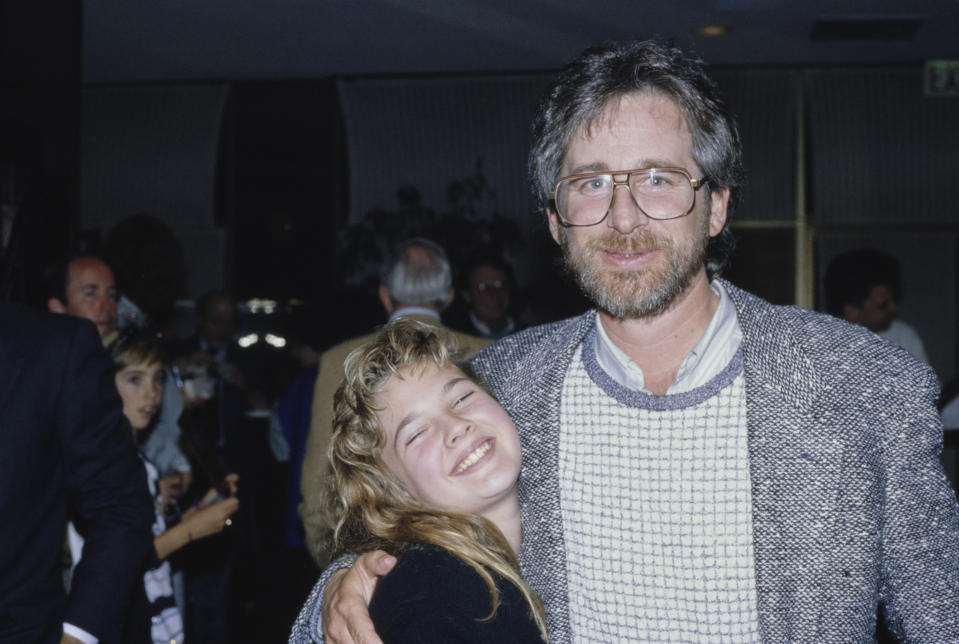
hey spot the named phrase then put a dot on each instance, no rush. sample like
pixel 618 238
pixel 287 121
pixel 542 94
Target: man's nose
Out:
pixel 624 213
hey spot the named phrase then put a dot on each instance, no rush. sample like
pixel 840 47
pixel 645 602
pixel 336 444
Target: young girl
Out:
pixel 425 465
pixel 138 360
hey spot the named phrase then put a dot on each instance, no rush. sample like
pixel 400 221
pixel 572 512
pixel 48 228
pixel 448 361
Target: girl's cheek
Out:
pixel 425 458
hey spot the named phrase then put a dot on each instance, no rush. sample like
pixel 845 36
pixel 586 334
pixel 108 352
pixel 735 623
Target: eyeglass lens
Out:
pixel 660 194
pixel 487 286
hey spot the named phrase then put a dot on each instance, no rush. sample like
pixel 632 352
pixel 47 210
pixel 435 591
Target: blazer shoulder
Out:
pixel 531 340
pixel 832 347
pixel 529 353
pixel 31 332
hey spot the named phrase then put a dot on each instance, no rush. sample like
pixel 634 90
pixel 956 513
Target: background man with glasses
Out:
pixel 698 464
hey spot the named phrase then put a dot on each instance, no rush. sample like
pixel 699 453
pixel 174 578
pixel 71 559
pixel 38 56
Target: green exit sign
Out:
pixel 942 78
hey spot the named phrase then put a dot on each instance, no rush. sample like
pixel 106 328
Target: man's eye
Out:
pixel 652 180
pixel 595 184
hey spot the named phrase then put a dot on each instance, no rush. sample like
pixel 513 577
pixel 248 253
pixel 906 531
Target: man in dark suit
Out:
pixel 64 445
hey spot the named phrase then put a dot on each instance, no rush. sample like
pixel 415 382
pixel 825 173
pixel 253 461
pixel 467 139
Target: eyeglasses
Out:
pixel 492 285
pixel 661 193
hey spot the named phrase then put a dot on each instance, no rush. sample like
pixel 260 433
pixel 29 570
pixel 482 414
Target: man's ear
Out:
pixel 554 226
pixel 385 299
pixel 54 305
pixel 719 203
pixel 449 299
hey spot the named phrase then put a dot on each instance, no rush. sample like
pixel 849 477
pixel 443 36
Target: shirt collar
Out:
pixel 486 332
pixel 415 310
pixel 706 359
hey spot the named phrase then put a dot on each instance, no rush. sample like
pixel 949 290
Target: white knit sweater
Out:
pixel 656 508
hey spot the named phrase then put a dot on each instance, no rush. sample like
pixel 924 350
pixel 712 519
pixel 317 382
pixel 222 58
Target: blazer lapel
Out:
pixel 535 408
pixel 795 467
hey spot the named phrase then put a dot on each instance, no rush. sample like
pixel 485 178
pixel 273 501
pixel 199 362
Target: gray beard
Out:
pixel 623 294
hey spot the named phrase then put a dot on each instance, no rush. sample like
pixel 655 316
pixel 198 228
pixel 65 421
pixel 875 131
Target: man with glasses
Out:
pixel 698 464
pixel 487 293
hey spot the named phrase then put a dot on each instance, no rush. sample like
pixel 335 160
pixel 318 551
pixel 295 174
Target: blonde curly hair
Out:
pixel 371 508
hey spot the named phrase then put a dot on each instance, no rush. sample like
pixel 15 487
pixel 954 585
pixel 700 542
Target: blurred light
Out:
pixel 275 340
pixel 713 30
pixel 257 305
pixel 248 340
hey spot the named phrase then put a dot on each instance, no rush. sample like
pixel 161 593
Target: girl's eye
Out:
pixel 462 398
pixel 416 434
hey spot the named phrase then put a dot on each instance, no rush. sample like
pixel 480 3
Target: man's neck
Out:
pixel 659 344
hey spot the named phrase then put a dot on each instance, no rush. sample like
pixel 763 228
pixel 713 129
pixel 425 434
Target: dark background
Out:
pixel 282 141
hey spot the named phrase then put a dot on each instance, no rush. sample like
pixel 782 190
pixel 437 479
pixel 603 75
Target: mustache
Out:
pixel 641 241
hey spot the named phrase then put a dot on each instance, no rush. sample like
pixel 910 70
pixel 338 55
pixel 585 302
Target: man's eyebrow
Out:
pixel 589 167
pixel 643 164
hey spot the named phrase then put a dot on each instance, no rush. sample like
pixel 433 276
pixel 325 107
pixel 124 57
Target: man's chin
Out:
pixel 627 298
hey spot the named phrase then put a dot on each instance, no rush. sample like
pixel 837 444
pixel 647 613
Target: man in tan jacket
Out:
pixel 417 283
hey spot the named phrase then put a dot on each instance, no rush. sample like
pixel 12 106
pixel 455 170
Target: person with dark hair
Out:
pixel 699 464
pixel 84 286
pixel 487 291
pixel 216 326
pixel 138 359
pixel 416 283
pixel 864 286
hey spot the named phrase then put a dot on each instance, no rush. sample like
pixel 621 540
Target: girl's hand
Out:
pixel 211 519
pixel 213 494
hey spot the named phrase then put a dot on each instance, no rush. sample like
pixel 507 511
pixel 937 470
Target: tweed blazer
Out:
pixel 313 511
pixel 850 504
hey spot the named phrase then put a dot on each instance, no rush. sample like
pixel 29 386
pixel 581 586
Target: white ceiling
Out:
pixel 128 41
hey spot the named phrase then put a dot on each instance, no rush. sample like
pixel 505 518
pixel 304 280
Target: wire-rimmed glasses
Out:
pixel 661 193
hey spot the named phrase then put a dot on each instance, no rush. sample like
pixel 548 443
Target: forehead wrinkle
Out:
pixel 606 117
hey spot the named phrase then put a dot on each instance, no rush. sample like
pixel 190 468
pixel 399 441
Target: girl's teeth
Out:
pixel 475 456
